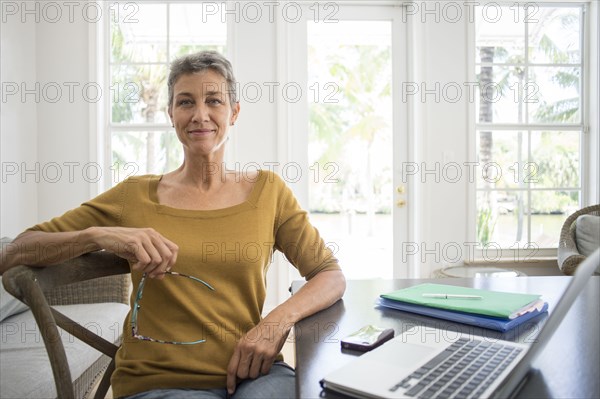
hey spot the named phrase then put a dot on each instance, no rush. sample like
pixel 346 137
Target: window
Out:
pixel 143 39
pixel 529 127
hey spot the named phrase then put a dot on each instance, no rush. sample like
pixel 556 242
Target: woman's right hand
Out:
pixel 148 251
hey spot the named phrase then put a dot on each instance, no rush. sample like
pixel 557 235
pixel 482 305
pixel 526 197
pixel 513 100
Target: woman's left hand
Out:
pixel 255 353
pixel 257 350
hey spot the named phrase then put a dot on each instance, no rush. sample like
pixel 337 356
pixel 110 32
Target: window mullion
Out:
pixel 168 16
pixel 532 126
pixel 529 191
pixel 140 127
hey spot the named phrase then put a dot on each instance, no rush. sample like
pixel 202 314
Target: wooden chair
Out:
pixel 91 278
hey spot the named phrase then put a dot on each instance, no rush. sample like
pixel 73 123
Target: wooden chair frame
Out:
pixel 34 285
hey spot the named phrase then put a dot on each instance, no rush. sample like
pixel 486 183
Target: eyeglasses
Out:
pixel 137 306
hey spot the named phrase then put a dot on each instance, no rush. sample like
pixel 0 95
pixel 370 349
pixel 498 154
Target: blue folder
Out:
pixel 493 323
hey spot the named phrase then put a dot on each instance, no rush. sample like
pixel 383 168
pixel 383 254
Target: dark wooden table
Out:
pixel 569 367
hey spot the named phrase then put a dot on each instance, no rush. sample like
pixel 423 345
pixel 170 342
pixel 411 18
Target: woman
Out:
pixel 199 241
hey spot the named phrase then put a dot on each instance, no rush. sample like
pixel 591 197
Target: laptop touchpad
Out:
pixel 402 354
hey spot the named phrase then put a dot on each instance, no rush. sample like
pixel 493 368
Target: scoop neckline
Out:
pixel 249 203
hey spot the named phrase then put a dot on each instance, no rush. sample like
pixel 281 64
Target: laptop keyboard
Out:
pixel 464 370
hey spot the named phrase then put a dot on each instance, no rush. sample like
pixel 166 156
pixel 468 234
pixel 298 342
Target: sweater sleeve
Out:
pixel 104 210
pixel 298 239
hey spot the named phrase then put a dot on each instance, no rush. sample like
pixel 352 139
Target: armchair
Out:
pixel 91 278
pixel 569 255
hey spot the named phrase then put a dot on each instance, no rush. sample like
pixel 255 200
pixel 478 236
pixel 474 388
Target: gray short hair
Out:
pixel 199 62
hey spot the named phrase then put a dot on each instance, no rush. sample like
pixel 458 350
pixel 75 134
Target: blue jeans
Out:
pixel 280 383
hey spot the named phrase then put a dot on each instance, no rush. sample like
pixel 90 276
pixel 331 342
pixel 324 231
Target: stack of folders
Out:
pixel 495 310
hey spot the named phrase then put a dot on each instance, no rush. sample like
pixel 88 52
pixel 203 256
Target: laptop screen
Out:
pixel 577 284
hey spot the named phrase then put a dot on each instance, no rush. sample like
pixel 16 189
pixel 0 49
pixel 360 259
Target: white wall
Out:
pixel 254 136
pixel 18 128
pixel 440 137
pixel 63 123
pixel 45 124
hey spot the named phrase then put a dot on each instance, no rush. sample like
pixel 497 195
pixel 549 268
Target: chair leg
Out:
pixel 36 300
pixel 105 382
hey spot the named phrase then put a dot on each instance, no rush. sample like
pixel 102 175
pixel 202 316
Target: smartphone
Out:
pixel 367 338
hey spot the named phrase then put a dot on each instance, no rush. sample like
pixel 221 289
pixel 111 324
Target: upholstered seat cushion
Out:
pixel 9 305
pixel 25 370
pixel 587 234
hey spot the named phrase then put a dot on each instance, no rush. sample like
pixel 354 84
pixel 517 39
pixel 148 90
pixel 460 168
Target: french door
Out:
pixel 351 133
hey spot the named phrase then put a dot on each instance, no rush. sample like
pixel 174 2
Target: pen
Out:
pixel 452 296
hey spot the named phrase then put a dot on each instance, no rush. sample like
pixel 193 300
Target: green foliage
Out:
pixel 121 109
pixel 552 51
pixel 486 222
pixel 557 165
pixel 553 202
pixel 562 111
pixel 557 160
pixel 565 110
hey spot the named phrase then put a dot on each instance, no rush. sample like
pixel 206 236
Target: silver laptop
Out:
pixel 424 362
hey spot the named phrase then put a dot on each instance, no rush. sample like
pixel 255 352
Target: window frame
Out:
pixel 523 255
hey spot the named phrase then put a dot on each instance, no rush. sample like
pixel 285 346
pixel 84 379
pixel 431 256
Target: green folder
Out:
pixel 505 305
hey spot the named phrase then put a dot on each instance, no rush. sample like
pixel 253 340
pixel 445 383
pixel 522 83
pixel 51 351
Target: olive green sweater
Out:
pixel 230 248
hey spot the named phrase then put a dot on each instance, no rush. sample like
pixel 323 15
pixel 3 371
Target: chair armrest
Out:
pixel 568 254
pixel 99 290
pixel 51 279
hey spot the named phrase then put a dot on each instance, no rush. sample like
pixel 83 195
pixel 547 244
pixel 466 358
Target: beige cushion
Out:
pixel 587 234
pixel 25 370
pixel 9 305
